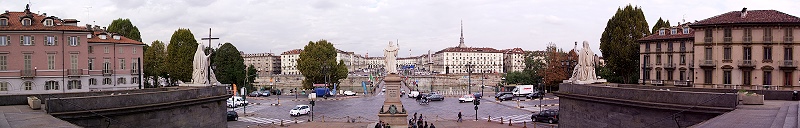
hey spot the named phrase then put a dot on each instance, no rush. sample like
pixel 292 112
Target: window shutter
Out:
pixel 55 40
pixel 77 41
pixel 21 40
pixel 32 40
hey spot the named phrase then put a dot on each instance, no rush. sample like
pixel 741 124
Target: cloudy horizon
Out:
pixel 366 26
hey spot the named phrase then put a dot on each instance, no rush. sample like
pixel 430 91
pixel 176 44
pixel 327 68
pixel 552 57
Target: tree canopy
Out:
pixel 318 62
pixel 125 28
pixel 660 24
pixel 230 68
pixel 618 42
pixel 155 61
pixel 180 53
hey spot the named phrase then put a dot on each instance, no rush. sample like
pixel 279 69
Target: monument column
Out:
pixel 392 112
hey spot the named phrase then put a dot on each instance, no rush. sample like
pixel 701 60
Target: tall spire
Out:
pixel 461 42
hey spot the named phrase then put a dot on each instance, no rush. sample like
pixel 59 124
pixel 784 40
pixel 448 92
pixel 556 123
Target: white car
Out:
pixel 300 110
pixel 231 104
pixel 413 94
pixel 349 93
pixel 237 101
pixel 383 90
pixel 466 98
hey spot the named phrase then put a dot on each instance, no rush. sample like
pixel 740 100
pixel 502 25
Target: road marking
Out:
pixel 261 120
pixel 514 118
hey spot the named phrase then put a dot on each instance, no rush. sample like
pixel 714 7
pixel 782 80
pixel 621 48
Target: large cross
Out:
pixel 208 72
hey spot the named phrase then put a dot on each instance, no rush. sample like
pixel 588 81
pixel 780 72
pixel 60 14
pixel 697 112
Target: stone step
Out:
pixel 780 117
pixel 791 117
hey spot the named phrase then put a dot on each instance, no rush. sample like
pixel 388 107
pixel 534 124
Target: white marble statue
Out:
pixel 584 72
pixel 200 74
pixel 390 54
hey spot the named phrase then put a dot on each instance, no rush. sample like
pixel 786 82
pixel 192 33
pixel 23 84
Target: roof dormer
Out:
pixel 102 36
pixel 26 21
pixel 661 32
pixel 3 20
pixel 116 37
pixel 48 21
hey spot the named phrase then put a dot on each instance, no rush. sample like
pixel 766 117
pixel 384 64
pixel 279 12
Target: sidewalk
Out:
pixel 21 116
pixel 438 124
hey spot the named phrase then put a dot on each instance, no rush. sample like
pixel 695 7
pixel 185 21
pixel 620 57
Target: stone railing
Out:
pixel 107 72
pixel 708 63
pixel 27 73
pixel 788 63
pixel 746 63
pixel 657 82
pixel 74 72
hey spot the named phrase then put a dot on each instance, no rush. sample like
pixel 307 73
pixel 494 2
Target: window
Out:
pixel 683 59
pixel 685 30
pixel 661 32
pixel 49 40
pixel 748 53
pixel 787 53
pixel 27 85
pixel 134 80
pixel 767 35
pixel 727 35
pixel 48 22
pixel 669 46
pixel 92 81
pixel 26 40
pixel 727 53
pixel 73 41
pixel 106 81
pixel 673 31
pixel 669 75
pixel 73 60
pixel 788 36
pixel 26 58
pixel 3 22
pixel 106 64
pixel 767 77
pixel 4 40
pixel 134 50
pixel 748 35
pixel 726 77
pixel 105 49
pixel 120 51
pixel 91 63
pixel 658 74
pixel 91 49
pixel 51 61
pixel 51 85
pixel 3 86
pixel 683 46
pixel 121 80
pixel 3 62
pixel 121 63
pixel 669 59
pixel 767 53
pixel 746 77
pixel 134 64
pixel 682 75
pixel 707 76
pixel 26 22
pixel 74 84
pixel 709 35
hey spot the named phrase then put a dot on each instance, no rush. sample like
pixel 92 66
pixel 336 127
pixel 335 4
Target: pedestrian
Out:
pixel 432 126
pixel 415 116
pixel 426 124
pixel 459 116
pixel 378 125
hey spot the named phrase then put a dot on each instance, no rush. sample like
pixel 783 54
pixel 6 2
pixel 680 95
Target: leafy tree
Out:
pixel 318 62
pixel 660 24
pixel 180 53
pixel 606 73
pixel 125 28
pixel 251 78
pixel 554 72
pixel 534 68
pixel 618 42
pixel 230 68
pixel 155 61
pixel 517 77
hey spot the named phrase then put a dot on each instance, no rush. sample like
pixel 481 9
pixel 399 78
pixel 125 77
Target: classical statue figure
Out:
pixel 584 71
pixel 200 74
pixel 390 56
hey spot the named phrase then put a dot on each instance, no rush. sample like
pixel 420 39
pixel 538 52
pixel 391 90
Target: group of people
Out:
pixel 419 122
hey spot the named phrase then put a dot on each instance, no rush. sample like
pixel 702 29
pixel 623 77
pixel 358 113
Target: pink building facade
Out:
pixel 44 54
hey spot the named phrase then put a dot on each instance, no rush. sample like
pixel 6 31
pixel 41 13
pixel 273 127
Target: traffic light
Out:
pixel 312 103
pixel 477 102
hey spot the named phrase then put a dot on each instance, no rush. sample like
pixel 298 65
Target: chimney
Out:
pixel 744 12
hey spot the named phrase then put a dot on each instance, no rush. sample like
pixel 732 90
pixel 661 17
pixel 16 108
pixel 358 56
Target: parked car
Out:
pixel 233 116
pixel 254 94
pixel 231 104
pixel 238 101
pixel 300 110
pixel 413 94
pixel 466 98
pixel 535 94
pixel 549 116
pixel 434 96
pixel 383 90
pixel 497 96
pixel 349 93
pixel 507 96
pixel 477 95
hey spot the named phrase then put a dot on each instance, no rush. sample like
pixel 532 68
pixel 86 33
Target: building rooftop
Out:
pixel 668 35
pixel 470 49
pixel 111 39
pixel 514 51
pixel 14 20
pixel 293 51
pixel 749 17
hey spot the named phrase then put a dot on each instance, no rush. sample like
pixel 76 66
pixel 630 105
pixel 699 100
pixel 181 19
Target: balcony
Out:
pixel 669 66
pixel 728 39
pixel 788 64
pixel 134 72
pixel 709 39
pixel 657 82
pixel 747 39
pixel 746 64
pixel 708 63
pixel 74 72
pixel 27 73
pixel 767 39
pixel 647 65
pixel 683 49
pixel 788 39
pixel 684 83
pixel 107 72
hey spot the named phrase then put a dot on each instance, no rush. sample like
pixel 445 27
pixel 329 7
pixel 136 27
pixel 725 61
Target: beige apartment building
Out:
pixel 289 62
pixel 667 56
pixel 513 60
pixel 738 48
pixel 266 64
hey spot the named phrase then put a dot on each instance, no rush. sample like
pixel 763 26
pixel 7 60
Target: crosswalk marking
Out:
pixel 513 118
pixel 261 120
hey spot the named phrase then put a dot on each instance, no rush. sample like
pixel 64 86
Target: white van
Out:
pixel 237 101
pixel 522 90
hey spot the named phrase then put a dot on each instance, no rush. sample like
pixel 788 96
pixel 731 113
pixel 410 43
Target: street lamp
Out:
pixel 469 77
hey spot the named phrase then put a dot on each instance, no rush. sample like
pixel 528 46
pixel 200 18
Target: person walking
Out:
pixel 432 126
pixel 459 116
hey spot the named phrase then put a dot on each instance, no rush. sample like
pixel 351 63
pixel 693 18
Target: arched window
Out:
pixel 4 86
pixel 48 22
pixel 92 81
pixel 51 85
pixel 26 22
pixel 27 85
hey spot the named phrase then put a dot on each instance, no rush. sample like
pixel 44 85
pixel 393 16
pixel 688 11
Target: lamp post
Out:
pixel 469 77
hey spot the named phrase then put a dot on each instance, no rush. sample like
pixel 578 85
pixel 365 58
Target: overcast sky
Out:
pixel 366 26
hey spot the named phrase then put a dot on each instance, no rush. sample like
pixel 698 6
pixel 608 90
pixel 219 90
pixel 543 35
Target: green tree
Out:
pixel 251 78
pixel 660 24
pixel 125 28
pixel 534 68
pixel 155 62
pixel 230 68
pixel 517 77
pixel 618 42
pixel 318 65
pixel 180 53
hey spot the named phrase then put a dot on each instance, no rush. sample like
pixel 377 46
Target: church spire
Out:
pixel 461 42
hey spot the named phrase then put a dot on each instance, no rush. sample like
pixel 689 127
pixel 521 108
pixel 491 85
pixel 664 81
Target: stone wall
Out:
pixel 613 107
pixel 20 99
pixel 768 94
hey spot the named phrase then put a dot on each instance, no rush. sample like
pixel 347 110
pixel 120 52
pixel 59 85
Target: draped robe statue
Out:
pixel 584 71
pixel 390 56
pixel 200 74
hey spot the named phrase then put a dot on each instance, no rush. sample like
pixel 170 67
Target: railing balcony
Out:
pixel 788 64
pixel 728 39
pixel 134 71
pixel 27 73
pixel 767 39
pixel 647 65
pixel 748 39
pixel 658 49
pixel 683 49
pixel 74 72
pixel 788 39
pixel 746 63
pixel 657 82
pixel 107 72
pixel 669 65
pixel 709 39
pixel 681 83
pixel 708 63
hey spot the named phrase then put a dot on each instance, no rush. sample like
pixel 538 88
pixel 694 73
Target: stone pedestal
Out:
pixel 392 111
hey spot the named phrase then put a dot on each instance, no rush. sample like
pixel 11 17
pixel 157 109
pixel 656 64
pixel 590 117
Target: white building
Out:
pixel 513 60
pixel 461 58
pixel 289 62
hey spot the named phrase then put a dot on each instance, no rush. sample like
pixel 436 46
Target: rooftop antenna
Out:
pixel 87 12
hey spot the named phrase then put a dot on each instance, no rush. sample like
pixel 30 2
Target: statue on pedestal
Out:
pixel 390 56
pixel 201 73
pixel 584 72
